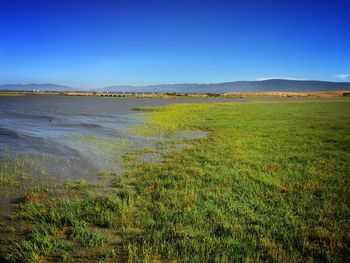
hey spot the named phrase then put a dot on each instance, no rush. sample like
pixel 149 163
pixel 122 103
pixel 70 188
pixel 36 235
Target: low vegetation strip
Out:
pixel 269 182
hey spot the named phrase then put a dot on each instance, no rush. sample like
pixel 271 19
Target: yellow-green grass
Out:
pixel 19 171
pixel 270 182
pixel 11 94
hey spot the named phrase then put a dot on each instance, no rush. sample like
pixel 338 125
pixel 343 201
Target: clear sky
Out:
pixel 99 43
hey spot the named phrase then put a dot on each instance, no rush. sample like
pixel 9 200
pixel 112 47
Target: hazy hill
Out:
pixel 235 86
pixel 239 86
pixel 31 87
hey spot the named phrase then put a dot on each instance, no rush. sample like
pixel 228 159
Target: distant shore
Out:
pixel 336 93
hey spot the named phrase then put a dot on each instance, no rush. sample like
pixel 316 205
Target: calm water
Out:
pixel 73 135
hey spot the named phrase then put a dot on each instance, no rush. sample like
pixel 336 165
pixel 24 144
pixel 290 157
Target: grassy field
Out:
pixel 269 182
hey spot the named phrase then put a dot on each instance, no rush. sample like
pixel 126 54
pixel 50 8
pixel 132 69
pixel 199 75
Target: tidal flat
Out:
pixel 261 181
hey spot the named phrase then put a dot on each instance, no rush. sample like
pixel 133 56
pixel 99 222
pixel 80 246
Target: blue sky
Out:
pixel 100 43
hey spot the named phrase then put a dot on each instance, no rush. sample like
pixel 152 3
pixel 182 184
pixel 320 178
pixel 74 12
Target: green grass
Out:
pixel 270 182
pixel 101 146
pixel 77 185
pixel 59 228
pixel 14 170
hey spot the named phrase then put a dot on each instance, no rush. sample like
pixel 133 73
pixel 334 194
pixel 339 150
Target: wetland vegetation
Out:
pixel 269 181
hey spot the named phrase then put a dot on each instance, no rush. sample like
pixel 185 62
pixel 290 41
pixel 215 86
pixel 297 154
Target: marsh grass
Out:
pixel 58 228
pixel 23 171
pixel 100 145
pixel 15 170
pixel 268 182
pixel 77 185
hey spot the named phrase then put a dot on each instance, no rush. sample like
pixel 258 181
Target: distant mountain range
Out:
pixel 235 86
pixel 31 87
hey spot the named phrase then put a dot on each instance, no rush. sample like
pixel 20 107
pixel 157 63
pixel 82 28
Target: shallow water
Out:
pixel 74 135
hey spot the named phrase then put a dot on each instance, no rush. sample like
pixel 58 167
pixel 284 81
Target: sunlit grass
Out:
pixel 21 170
pixel 269 182
pixel 13 170
pixel 100 145
pixel 61 227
